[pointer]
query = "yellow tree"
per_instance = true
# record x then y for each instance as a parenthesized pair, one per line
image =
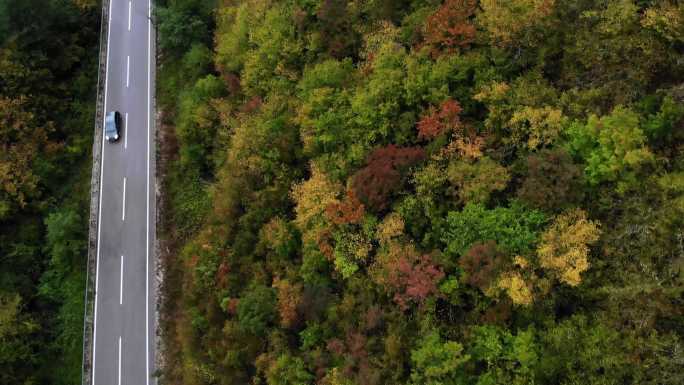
(564, 246)
(506, 20)
(312, 198)
(516, 287)
(667, 19)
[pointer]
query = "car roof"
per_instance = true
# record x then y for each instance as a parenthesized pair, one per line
(110, 123)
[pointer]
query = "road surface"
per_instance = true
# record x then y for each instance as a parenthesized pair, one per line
(124, 296)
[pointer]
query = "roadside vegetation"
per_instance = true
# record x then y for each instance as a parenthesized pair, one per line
(48, 71)
(423, 191)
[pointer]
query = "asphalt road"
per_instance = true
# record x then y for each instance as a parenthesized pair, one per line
(123, 351)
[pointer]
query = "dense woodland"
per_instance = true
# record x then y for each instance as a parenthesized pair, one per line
(48, 71)
(423, 191)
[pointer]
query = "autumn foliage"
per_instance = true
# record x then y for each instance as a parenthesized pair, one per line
(565, 246)
(552, 180)
(375, 183)
(401, 192)
(335, 28)
(20, 142)
(410, 275)
(438, 121)
(450, 29)
(414, 279)
(505, 20)
(481, 264)
(312, 197)
(289, 300)
(350, 210)
(353, 348)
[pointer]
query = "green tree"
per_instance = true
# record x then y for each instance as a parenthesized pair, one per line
(232, 37)
(507, 358)
(436, 361)
(377, 102)
(288, 370)
(20, 140)
(613, 147)
(197, 121)
(578, 350)
(65, 239)
(515, 229)
(661, 126)
(273, 64)
(178, 28)
(257, 309)
(17, 353)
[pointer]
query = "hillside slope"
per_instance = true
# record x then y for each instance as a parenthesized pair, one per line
(423, 192)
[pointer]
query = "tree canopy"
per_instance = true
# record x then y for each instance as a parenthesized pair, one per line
(423, 191)
(48, 71)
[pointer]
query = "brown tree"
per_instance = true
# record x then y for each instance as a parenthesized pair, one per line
(335, 27)
(350, 210)
(482, 264)
(357, 366)
(375, 183)
(552, 180)
(289, 300)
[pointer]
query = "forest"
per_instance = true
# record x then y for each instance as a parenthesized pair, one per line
(48, 74)
(365, 192)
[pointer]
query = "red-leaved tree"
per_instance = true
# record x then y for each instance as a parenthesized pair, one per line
(350, 210)
(450, 29)
(414, 279)
(375, 183)
(411, 276)
(441, 120)
(356, 365)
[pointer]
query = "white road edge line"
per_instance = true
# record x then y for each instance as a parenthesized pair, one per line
(147, 200)
(129, 16)
(126, 132)
(121, 283)
(128, 69)
(119, 360)
(99, 204)
(123, 209)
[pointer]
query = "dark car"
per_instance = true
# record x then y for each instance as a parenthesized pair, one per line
(112, 126)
